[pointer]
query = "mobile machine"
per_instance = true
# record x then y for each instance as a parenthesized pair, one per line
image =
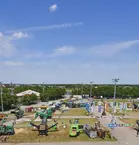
(75, 128)
(5, 128)
(43, 127)
(18, 113)
(44, 115)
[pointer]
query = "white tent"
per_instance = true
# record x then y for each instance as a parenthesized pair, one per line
(28, 92)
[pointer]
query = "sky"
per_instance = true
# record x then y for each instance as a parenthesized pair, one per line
(69, 41)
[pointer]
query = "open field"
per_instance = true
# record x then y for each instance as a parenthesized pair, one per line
(132, 113)
(27, 135)
(128, 113)
(130, 120)
(118, 113)
(116, 100)
(74, 112)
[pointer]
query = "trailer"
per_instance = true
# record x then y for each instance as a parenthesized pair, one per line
(90, 131)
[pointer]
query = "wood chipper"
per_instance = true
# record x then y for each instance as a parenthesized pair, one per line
(19, 113)
(6, 128)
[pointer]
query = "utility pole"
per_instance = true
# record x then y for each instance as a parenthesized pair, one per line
(77, 88)
(90, 95)
(82, 89)
(1, 90)
(115, 80)
(113, 121)
(12, 89)
(43, 88)
(91, 89)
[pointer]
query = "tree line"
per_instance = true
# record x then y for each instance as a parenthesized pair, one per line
(46, 94)
(108, 91)
(55, 92)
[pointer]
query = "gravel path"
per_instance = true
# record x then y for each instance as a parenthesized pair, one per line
(125, 135)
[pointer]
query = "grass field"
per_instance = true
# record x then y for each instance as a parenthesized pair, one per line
(130, 120)
(118, 113)
(111, 100)
(128, 113)
(133, 113)
(27, 135)
(75, 112)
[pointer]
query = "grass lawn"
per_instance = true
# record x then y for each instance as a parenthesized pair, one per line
(132, 113)
(75, 112)
(128, 113)
(118, 100)
(130, 120)
(118, 113)
(27, 135)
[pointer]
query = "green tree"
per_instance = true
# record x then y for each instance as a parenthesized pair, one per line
(52, 94)
(8, 100)
(29, 99)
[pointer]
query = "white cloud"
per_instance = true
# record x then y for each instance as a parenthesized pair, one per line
(53, 8)
(65, 50)
(51, 27)
(35, 55)
(1, 34)
(112, 49)
(20, 35)
(7, 48)
(13, 63)
(61, 51)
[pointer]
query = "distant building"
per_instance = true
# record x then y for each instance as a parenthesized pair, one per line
(77, 96)
(28, 92)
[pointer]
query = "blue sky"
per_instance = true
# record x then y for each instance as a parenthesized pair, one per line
(69, 41)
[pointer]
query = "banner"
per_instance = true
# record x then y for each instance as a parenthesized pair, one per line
(92, 109)
(117, 105)
(121, 107)
(99, 108)
(107, 106)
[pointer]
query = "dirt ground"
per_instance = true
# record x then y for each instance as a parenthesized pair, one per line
(27, 135)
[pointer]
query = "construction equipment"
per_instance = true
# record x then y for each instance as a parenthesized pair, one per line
(90, 131)
(43, 128)
(5, 128)
(3, 118)
(18, 113)
(75, 128)
(44, 113)
(100, 132)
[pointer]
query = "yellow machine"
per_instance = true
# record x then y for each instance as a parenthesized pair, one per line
(43, 107)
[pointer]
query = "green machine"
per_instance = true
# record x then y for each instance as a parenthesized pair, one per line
(5, 128)
(19, 113)
(44, 113)
(75, 128)
(43, 127)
